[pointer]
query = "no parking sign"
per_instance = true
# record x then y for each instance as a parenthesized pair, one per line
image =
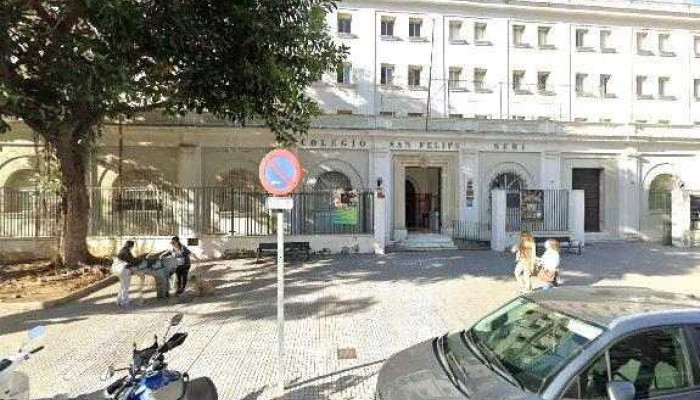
(280, 172)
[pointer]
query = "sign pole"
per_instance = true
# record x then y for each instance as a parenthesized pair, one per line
(280, 302)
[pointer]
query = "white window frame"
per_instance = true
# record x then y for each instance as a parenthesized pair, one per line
(546, 89)
(343, 20)
(642, 39)
(519, 38)
(580, 81)
(580, 39)
(696, 89)
(414, 22)
(344, 74)
(518, 76)
(387, 26)
(665, 44)
(481, 32)
(412, 81)
(604, 85)
(456, 29)
(605, 41)
(640, 83)
(455, 81)
(664, 83)
(543, 35)
(480, 79)
(386, 76)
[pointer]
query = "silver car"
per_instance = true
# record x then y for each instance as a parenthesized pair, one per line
(617, 343)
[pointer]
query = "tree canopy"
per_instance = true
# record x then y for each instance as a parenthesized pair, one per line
(66, 65)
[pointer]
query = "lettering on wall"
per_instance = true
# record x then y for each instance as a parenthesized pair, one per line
(427, 145)
(509, 146)
(329, 143)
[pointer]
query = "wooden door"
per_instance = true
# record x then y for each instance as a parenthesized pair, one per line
(588, 180)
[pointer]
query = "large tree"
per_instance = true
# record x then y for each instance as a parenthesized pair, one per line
(67, 65)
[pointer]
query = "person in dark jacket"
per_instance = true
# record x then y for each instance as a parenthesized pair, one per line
(182, 254)
(122, 265)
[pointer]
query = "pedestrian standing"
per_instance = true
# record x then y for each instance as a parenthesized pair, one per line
(121, 267)
(525, 259)
(182, 256)
(549, 264)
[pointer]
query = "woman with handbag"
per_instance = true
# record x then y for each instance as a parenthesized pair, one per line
(548, 264)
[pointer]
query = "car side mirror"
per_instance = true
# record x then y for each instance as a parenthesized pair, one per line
(621, 390)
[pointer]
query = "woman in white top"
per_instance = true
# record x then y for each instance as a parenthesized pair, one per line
(549, 264)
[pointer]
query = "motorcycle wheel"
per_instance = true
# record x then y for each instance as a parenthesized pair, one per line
(201, 389)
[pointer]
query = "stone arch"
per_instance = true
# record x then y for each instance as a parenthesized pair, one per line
(14, 165)
(661, 169)
(499, 169)
(658, 184)
(338, 166)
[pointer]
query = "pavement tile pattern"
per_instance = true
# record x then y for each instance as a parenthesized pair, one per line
(376, 305)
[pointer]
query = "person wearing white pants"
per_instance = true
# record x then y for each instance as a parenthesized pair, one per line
(121, 267)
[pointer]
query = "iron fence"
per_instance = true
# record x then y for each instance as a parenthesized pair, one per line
(541, 210)
(139, 211)
(473, 231)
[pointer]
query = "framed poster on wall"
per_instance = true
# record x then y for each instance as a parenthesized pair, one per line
(532, 205)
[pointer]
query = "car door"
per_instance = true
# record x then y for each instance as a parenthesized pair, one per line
(659, 362)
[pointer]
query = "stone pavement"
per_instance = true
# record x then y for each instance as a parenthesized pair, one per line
(376, 305)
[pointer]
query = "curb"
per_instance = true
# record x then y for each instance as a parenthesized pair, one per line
(46, 304)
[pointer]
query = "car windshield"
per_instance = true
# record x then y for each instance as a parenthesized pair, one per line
(4, 363)
(530, 342)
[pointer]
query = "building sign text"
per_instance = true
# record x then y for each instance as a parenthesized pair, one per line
(413, 145)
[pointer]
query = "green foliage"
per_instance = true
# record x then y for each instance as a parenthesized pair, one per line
(65, 65)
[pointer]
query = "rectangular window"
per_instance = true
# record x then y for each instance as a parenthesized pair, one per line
(456, 31)
(518, 77)
(665, 47)
(387, 74)
(343, 74)
(695, 221)
(642, 39)
(543, 36)
(605, 40)
(543, 82)
(696, 46)
(345, 24)
(519, 35)
(664, 86)
(414, 25)
(696, 88)
(480, 32)
(479, 78)
(455, 79)
(414, 76)
(581, 83)
(641, 81)
(581, 38)
(605, 85)
(387, 26)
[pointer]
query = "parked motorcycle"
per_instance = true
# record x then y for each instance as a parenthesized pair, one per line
(150, 379)
(14, 385)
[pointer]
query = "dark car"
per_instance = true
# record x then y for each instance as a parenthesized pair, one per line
(620, 343)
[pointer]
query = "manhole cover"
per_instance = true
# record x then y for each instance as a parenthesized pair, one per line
(347, 354)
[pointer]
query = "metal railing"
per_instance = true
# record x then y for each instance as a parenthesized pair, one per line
(30, 212)
(546, 210)
(473, 231)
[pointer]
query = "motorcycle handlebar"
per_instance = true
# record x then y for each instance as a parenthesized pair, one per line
(38, 349)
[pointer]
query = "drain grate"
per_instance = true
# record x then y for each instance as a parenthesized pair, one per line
(347, 354)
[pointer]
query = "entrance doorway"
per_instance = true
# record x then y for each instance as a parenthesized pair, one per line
(588, 180)
(423, 200)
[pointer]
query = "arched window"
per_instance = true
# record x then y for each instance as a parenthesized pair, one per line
(332, 180)
(512, 183)
(19, 193)
(240, 192)
(137, 190)
(660, 193)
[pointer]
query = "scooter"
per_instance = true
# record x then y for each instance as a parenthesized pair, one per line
(149, 379)
(14, 385)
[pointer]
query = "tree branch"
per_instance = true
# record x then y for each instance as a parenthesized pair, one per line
(41, 11)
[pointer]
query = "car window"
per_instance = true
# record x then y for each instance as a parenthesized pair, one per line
(656, 362)
(591, 384)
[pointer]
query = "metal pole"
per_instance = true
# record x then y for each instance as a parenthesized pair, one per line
(280, 303)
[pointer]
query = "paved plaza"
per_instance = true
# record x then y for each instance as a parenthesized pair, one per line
(376, 305)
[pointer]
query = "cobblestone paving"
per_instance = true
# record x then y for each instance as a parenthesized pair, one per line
(376, 305)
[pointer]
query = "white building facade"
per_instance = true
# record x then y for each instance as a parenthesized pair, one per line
(442, 101)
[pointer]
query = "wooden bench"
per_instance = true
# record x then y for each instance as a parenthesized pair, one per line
(289, 247)
(565, 241)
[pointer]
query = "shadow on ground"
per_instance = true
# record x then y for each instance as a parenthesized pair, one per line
(247, 290)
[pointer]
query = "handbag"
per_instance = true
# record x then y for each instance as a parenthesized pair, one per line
(546, 275)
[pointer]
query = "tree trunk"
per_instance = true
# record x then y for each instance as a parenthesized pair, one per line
(75, 208)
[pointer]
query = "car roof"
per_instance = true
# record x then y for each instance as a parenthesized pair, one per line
(605, 305)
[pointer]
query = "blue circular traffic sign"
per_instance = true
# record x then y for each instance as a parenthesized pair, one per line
(280, 172)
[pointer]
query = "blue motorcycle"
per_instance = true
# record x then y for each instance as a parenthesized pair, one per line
(150, 379)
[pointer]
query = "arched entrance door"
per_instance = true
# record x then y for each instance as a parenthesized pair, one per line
(659, 206)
